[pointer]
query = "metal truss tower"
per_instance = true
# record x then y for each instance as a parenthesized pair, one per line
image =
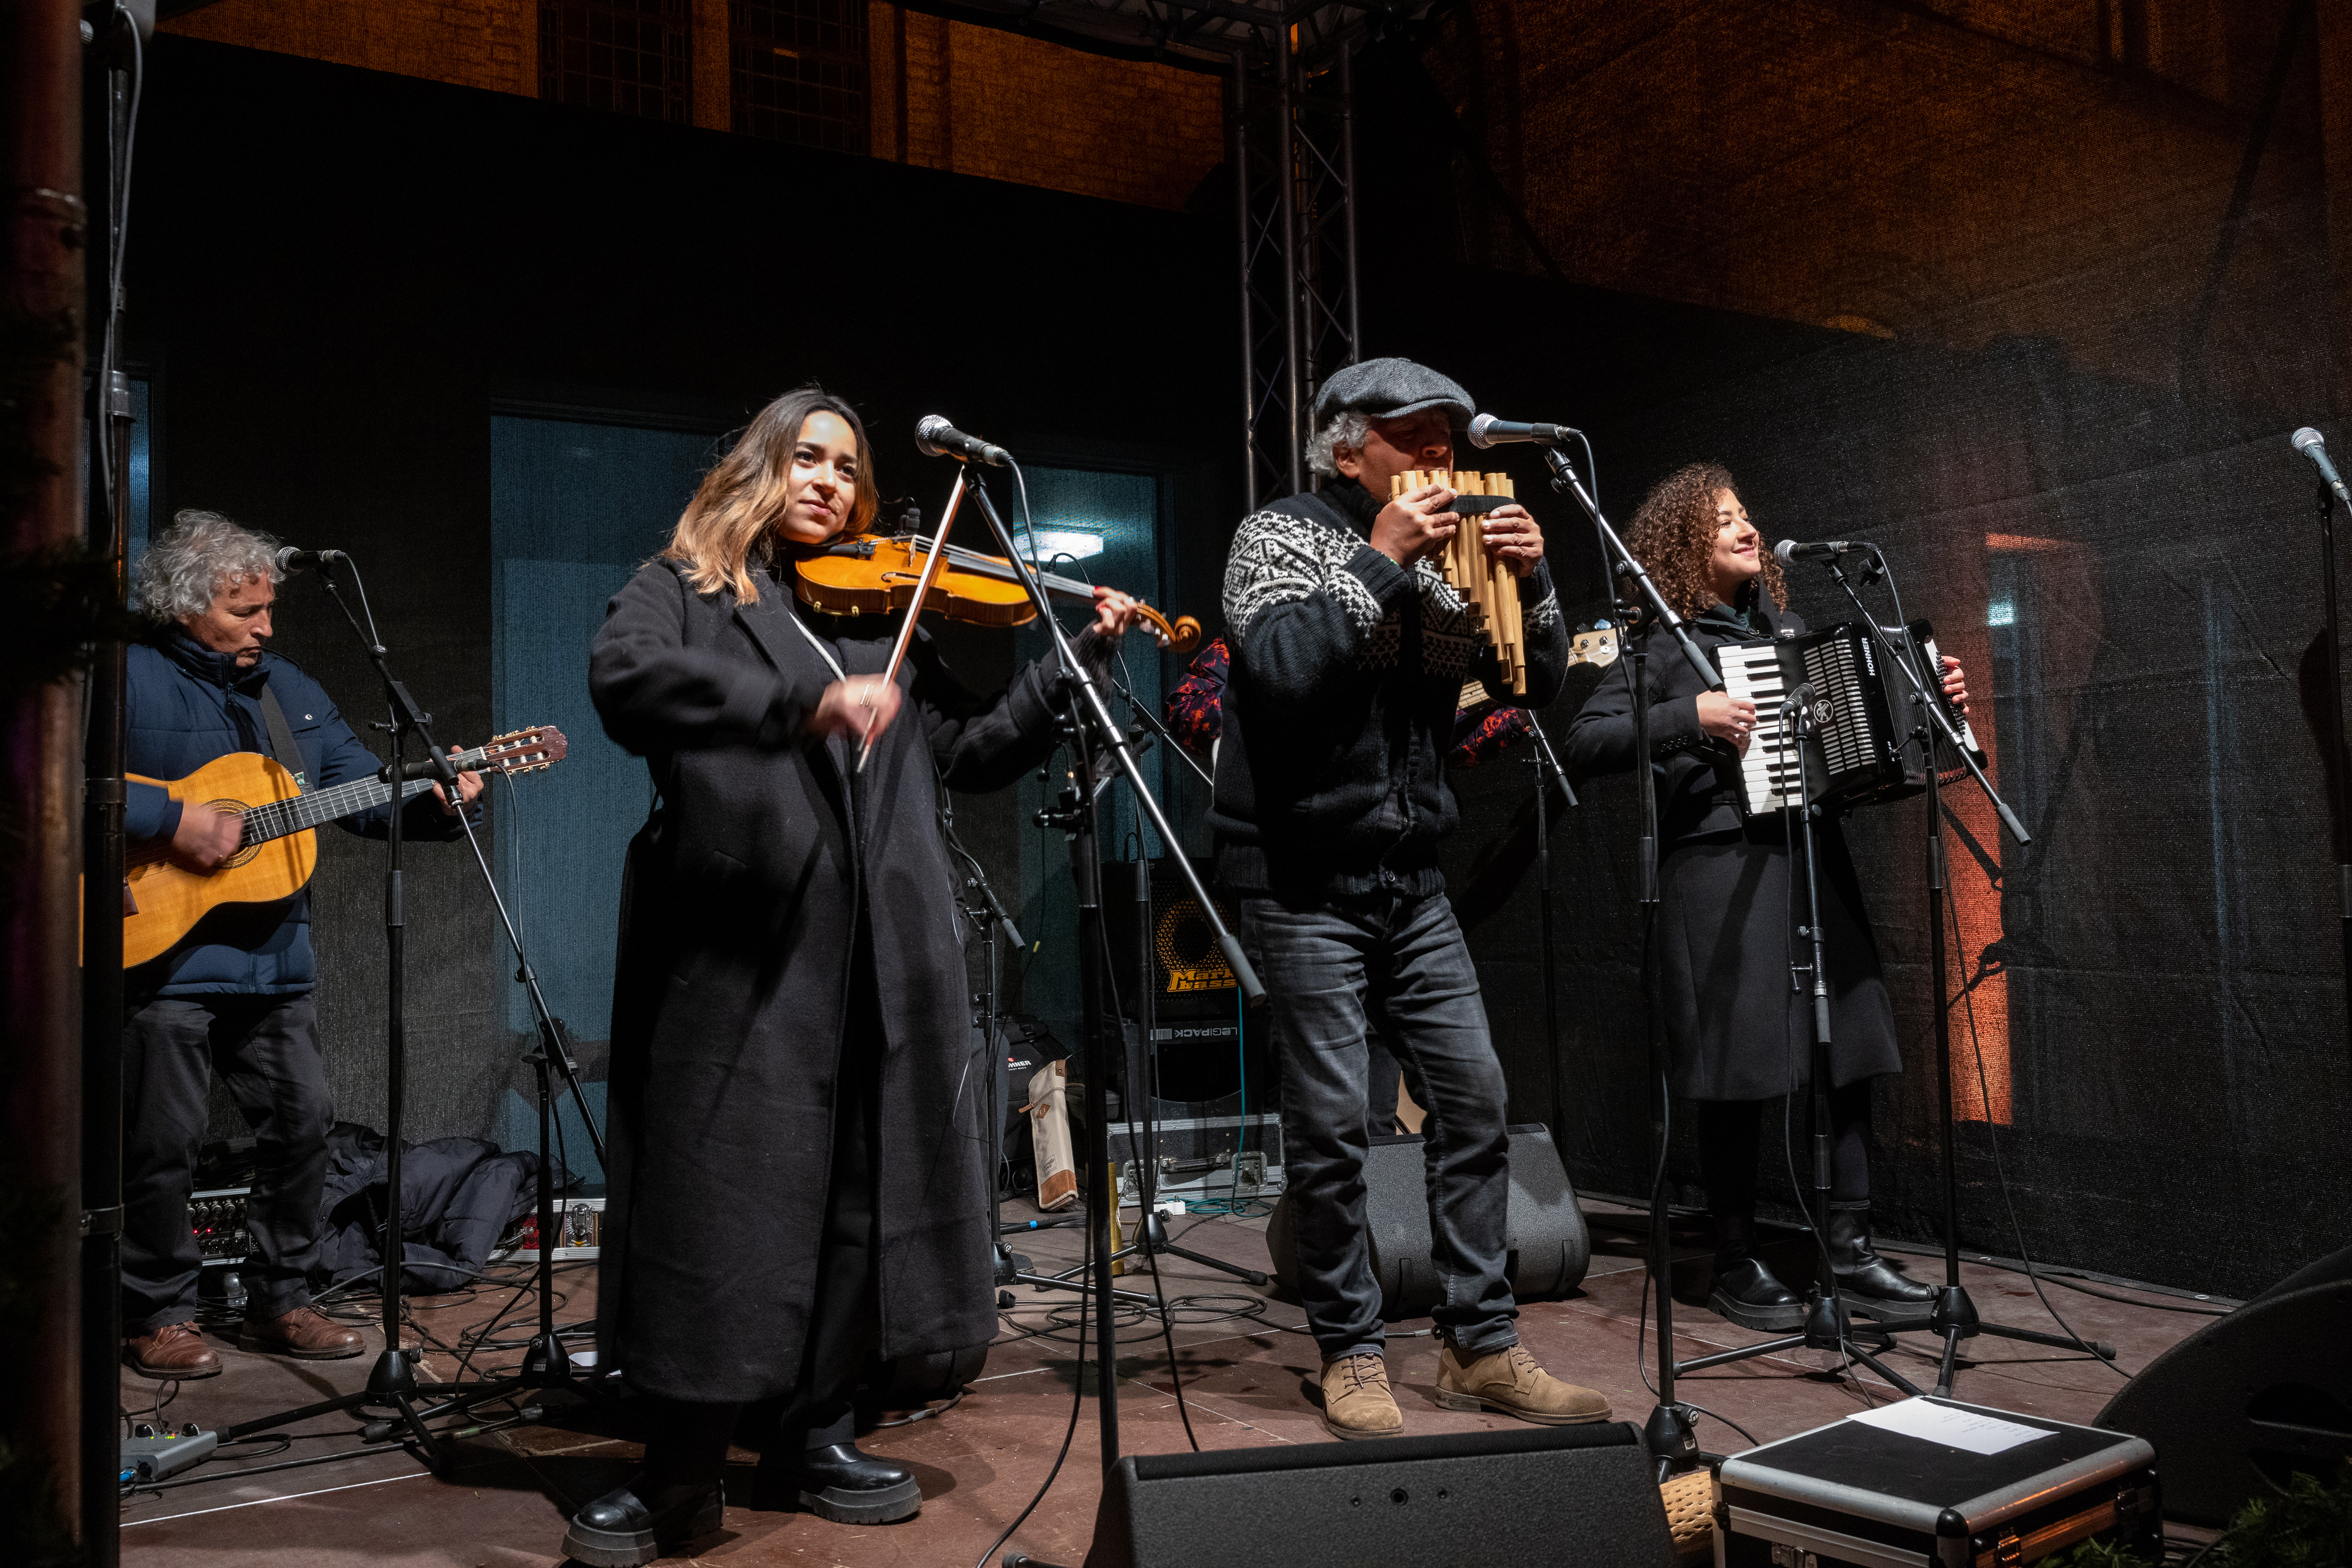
(1291, 116)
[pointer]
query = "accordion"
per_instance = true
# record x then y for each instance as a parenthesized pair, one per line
(1865, 748)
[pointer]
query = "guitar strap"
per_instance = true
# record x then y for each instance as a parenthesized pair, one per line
(281, 738)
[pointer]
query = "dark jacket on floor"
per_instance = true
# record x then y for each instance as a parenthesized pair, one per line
(1338, 709)
(741, 908)
(1735, 1029)
(458, 1195)
(187, 706)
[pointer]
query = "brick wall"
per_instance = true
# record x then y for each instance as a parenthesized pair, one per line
(946, 95)
(491, 43)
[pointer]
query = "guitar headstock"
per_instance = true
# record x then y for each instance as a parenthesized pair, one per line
(518, 751)
(1596, 645)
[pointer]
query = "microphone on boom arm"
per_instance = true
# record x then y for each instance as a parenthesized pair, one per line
(1788, 550)
(290, 559)
(2311, 444)
(935, 438)
(1487, 430)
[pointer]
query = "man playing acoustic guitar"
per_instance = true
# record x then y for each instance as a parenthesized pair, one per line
(236, 996)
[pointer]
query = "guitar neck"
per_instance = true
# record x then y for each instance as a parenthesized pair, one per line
(280, 817)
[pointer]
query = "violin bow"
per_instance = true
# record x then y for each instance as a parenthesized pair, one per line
(914, 606)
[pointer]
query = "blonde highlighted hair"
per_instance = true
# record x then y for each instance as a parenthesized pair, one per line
(721, 535)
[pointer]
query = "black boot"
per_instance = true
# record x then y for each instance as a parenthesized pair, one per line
(643, 1522)
(1865, 1279)
(1745, 1290)
(847, 1486)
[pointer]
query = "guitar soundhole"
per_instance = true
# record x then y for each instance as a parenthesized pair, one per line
(245, 852)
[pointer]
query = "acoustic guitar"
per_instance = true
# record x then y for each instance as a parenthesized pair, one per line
(163, 902)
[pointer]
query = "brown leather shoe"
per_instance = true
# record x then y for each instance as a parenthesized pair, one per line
(173, 1351)
(1356, 1399)
(1510, 1381)
(305, 1334)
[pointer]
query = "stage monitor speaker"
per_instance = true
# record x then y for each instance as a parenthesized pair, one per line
(1580, 1495)
(1549, 1248)
(2245, 1402)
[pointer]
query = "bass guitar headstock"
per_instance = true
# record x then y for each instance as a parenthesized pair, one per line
(1595, 646)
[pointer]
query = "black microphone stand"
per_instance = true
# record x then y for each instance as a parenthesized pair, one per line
(393, 1383)
(1151, 1229)
(1670, 1430)
(1954, 1317)
(1826, 1327)
(1546, 763)
(991, 918)
(1075, 814)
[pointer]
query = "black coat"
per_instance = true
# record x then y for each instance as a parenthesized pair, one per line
(741, 909)
(1735, 1029)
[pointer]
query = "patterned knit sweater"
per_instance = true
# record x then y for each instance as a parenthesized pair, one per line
(1347, 669)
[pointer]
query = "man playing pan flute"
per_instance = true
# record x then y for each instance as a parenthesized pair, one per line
(1349, 651)
(235, 998)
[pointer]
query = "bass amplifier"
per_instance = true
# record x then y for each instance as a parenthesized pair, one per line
(1188, 977)
(1934, 1483)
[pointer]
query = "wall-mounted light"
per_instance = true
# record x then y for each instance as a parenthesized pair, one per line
(1051, 544)
(2001, 613)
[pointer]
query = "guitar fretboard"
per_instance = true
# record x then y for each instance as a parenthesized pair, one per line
(280, 817)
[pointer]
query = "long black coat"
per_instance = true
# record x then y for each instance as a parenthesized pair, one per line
(737, 928)
(1735, 1029)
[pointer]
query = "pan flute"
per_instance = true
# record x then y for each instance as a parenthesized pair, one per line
(1486, 584)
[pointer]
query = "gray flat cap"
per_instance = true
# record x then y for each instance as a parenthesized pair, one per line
(1389, 388)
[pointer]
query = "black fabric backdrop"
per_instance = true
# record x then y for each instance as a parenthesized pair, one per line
(2034, 310)
(2102, 518)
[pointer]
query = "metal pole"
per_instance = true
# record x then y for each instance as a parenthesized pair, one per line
(1285, 66)
(1103, 1048)
(1239, 108)
(1348, 196)
(2343, 801)
(41, 773)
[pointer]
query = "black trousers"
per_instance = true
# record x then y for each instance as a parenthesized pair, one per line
(265, 1050)
(1731, 1146)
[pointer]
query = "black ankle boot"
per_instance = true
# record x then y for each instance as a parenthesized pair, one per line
(1865, 1279)
(847, 1486)
(1745, 1290)
(641, 1522)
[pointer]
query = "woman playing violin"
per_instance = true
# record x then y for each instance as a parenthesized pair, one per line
(795, 1176)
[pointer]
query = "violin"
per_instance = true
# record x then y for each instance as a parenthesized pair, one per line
(871, 576)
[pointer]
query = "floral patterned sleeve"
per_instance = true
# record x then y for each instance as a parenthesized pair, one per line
(1195, 708)
(1481, 734)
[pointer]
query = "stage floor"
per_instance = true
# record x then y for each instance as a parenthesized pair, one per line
(502, 1504)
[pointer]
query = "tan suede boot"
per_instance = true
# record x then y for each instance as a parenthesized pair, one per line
(1510, 1381)
(1356, 1399)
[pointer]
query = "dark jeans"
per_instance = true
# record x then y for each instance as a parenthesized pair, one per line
(266, 1049)
(1404, 959)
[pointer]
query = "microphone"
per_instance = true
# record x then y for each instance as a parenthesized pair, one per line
(2309, 442)
(290, 559)
(1788, 550)
(935, 438)
(1807, 701)
(1487, 431)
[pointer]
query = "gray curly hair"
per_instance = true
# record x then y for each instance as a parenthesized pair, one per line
(1347, 429)
(201, 554)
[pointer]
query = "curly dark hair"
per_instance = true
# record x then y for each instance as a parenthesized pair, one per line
(1673, 535)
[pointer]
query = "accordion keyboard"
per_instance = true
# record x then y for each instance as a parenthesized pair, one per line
(1756, 672)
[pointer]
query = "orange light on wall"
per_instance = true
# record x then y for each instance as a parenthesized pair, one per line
(1978, 984)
